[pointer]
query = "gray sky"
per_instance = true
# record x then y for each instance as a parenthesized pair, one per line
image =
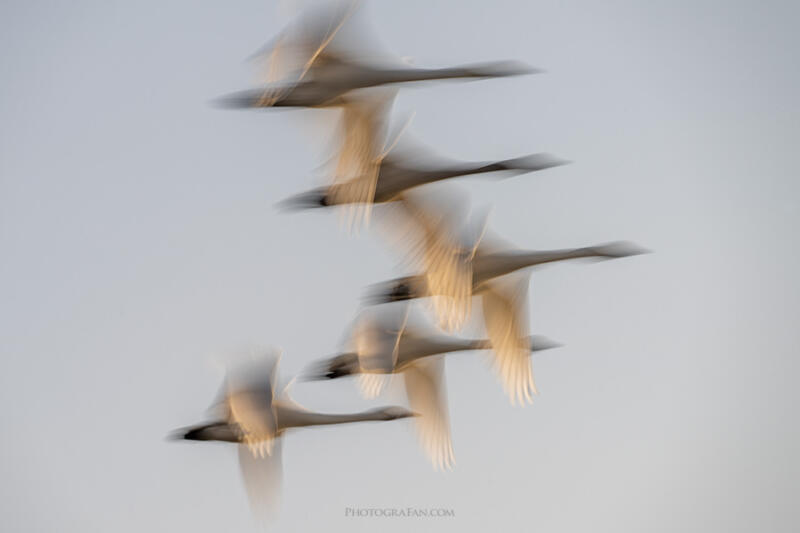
(139, 246)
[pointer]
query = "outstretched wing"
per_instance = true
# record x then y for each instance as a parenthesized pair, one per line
(362, 131)
(505, 312)
(305, 44)
(372, 385)
(425, 388)
(430, 239)
(249, 399)
(262, 477)
(375, 347)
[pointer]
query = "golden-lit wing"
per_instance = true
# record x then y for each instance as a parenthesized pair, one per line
(427, 397)
(301, 46)
(262, 477)
(432, 246)
(249, 399)
(371, 385)
(355, 177)
(505, 314)
(375, 348)
(252, 412)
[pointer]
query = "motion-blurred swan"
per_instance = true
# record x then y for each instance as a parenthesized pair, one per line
(395, 175)
(309, 66)
(368, 170)
(498, 274)
(382, 346)
(250, 413)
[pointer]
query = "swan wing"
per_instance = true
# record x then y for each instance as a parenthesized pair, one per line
(425, 387)
(505, 304)
(304, 44)
(429, 239)
(253, 414)
(372, 385)
(374, 344)
(262, 477)
(375, 347)
(362, 129)
(249, 399)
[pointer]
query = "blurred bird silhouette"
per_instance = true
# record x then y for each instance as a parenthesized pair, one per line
(311, 65)
(323, 60)
(452, 273)
(396, 173)
(362, 133)
(383, 345)
(249, 412)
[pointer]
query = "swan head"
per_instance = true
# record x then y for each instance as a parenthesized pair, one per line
(306, 200)
(192, 434)
(219, 431)
(335, 367)
(393, 291)
(266, 97)
(540, 342)
(614, 250)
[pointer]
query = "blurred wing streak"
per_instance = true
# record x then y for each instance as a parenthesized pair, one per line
(505, 315)
(355, 178)
(250, 405)
(427, 396)
(375, 347)
(432, 246)
(331, 33)
(371, 384)
(262, 477)
(294, 52)
(252, 412)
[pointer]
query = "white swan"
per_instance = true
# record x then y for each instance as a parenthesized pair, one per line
(383, 347)
(397, 174)
(452, 275)
(252, 414)
(308, 65)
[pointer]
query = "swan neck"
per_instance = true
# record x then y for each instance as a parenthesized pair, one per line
(297, 418)
(552, 256)
(480, 344)
(421, 74)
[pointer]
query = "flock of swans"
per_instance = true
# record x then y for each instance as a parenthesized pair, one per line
(456, 261)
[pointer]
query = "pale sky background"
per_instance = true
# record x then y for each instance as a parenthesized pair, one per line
(139, 245)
